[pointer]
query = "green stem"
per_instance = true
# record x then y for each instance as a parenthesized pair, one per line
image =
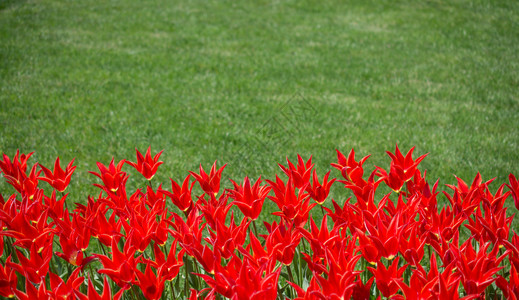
(198, 271)
(186, 283)
(255, 229)
(172, 289)
(290, 276)
(134, 295)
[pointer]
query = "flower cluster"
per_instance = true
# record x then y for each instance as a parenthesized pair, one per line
(199, 241)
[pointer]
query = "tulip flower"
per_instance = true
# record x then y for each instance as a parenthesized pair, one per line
(320, 238)
(282, 241)
(477, 269)
(112, 176)
(402, 169)
(214, 209)
(121, 267)
(514, 188)
(14, 171)
(300, 175)
(31, 292)
(294, 207)
(249, 199)
(169, 267)
(226, 239)
(107, 293)
(210, 183)
(59, 179)
(146, 165)
(384, 277)
(8, 280)
(60, 289)
(37, 266)
(317, 191)
(510, 288)
(350, 169)
(181, 196)
(151, 285)
(29, 186)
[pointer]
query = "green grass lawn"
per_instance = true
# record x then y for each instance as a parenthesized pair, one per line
(250, 82)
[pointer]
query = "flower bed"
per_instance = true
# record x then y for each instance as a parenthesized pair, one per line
(160, 242)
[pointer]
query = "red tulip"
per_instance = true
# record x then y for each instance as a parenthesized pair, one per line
(107, 293)
(8, 280)
(510, 288)
(112, 176)
(294, 207)
(105, 230)
(214, 209)
(249, 199)
(282, 241)
(319, 192)
(181, 196)
(37, 266)
(514, 188)
(226, 239)
(477, 268)
(402, 169)
(31, 292)
(59, 179)
(121, 267)
(300, 175)
(151, 285)
(321, 238)
(169, 267)
(210, 183)
(350, 169)
(146, 165)
(14, 171)
(385, 277)
(60, 289)
(259, 255)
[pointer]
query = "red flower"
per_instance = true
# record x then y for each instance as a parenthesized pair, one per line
(121, 267)
(31, 292)
(209, 183)
(259, 255)
(319, 192)
(320, 239)
(167, 268)
(107, 293)
(181, 196)
(385, 277)
(294, 207)
(146, 165)
(59, 179)
(301, 174)
(249, 199)
(37, 266)
(65, 290)
(401, 170)
(514, 188)
(510, 288)
(8, 280)
(350, 169)
(14, 171)
(113, 178)
(256, 284)
(151, 285)
(282, 241)
(477, 269)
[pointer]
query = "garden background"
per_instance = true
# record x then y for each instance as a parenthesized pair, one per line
(250, 82)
